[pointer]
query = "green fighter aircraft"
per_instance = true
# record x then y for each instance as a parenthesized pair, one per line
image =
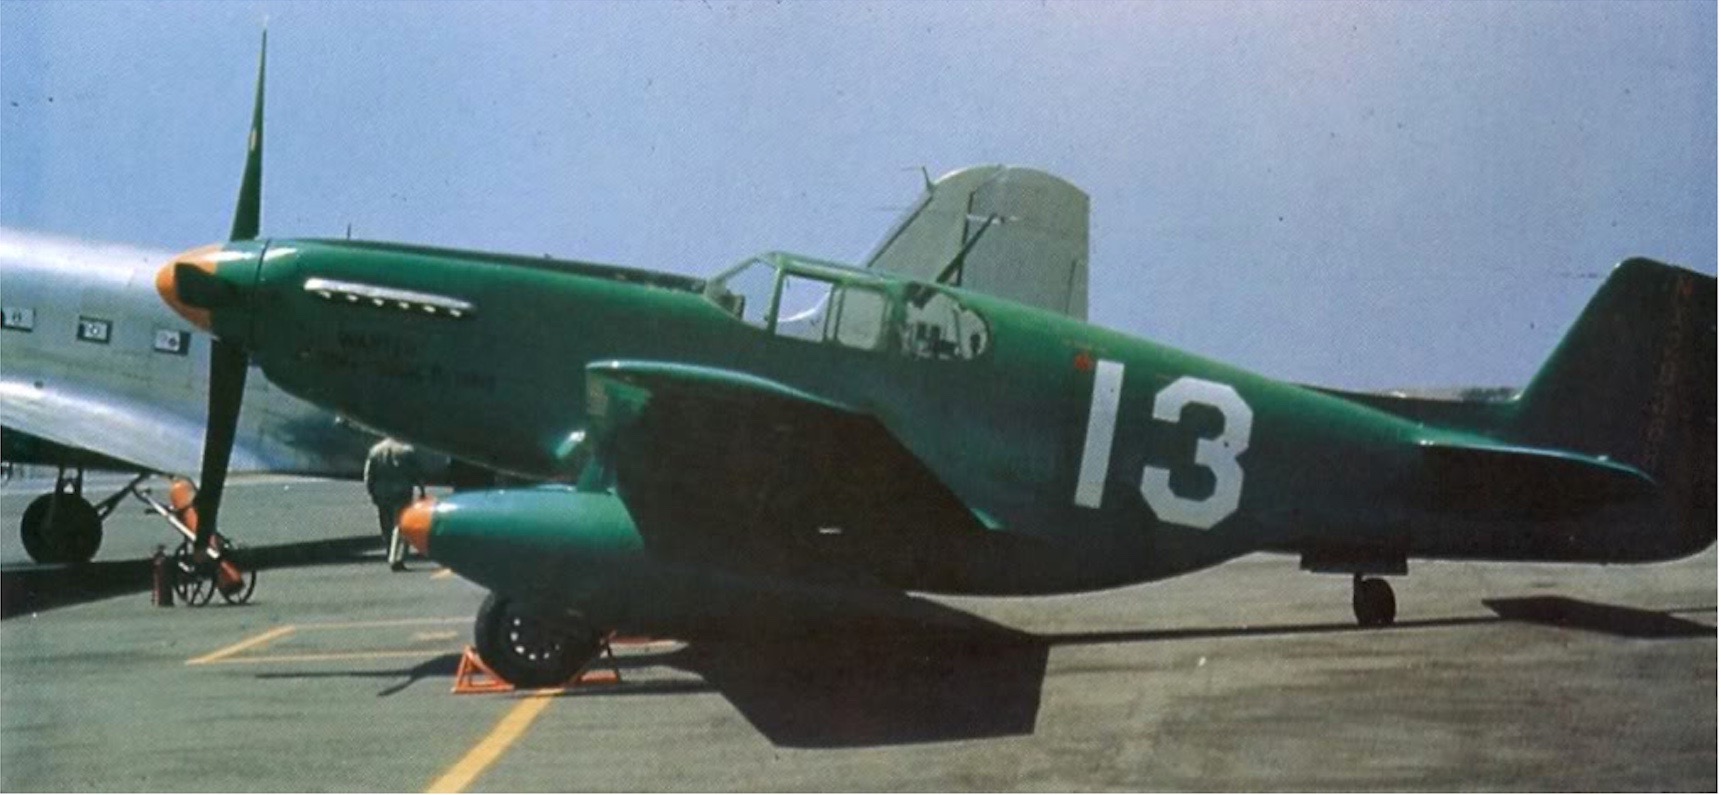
(797, 427)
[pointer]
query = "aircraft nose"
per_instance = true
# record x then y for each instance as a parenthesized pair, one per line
(191, 283)
(167, 283)
(415, 524)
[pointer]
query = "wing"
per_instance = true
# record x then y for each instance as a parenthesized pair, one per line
(139, 435)
(720, 467)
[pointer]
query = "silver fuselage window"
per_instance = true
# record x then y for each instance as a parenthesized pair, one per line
(172, 341)
(20, 318)
(95, 329)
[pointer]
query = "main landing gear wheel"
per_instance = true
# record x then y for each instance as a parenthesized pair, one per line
(61, 527)
(1372, 599)
(528, 651)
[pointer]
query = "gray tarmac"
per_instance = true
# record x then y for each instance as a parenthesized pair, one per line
(1249, 676)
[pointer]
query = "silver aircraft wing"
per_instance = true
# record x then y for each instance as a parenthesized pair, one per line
(91, 359)
(130, 430)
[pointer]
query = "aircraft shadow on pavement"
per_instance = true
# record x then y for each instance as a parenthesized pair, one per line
(937, 674)
(1625, 622)
(859, 690)
(1558, 611)
(876, 685)
(447, 666)
(923, 672)
(919, 673)
(438, 667)
(33, 589)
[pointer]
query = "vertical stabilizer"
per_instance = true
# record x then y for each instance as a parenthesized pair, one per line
(1634, 380)
(1035, 253)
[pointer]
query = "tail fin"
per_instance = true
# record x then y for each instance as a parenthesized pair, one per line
(1634, 380)
(1036, 254)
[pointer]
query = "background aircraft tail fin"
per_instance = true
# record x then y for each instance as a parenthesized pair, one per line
(1035, 254)
(1634, 380)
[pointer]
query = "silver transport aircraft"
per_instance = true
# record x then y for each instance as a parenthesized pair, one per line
(95, 372)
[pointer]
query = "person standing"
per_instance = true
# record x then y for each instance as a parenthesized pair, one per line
(392, 477)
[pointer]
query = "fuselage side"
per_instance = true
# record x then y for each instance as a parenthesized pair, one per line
(1181, 463)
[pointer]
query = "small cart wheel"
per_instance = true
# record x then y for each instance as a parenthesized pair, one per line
(241, 593)
(193, 582)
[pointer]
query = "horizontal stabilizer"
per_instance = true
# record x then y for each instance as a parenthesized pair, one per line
(1502, 481)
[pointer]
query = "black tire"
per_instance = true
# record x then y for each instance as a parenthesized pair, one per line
(1373, 602)
(193, 582)
(527, 651)
(61, 528)
(241, 594)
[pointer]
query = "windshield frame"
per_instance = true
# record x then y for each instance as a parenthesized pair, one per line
(717, 287)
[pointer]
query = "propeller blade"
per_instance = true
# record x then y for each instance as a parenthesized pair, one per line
(248, 213)
(228, 364)
(228, 361)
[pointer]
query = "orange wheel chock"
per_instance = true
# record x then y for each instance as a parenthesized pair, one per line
(473, 676)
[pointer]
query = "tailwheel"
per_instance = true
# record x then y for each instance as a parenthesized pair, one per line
(1373, 602)
(61, 527)
(529, 651)
(193, 580)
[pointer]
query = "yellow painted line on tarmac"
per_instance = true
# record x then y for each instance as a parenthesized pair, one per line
(398, 622)
(337, 656)
(256, 640)
(494, 744)
(442, 574)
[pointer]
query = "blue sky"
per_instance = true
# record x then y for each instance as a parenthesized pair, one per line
(1363, 195)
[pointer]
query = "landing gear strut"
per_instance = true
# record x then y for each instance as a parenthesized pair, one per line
(63, 527)
(1372, 599)
(528, 650)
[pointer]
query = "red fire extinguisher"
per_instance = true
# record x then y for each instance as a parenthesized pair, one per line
(161, 579)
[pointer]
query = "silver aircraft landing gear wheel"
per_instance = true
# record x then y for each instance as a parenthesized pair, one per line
(1372, 599)
(61, 527)
(528, 651)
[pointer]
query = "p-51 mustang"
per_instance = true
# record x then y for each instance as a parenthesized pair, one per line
(797, 426)
(98, 373)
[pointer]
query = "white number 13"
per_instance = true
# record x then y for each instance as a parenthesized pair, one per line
(1218, 455)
